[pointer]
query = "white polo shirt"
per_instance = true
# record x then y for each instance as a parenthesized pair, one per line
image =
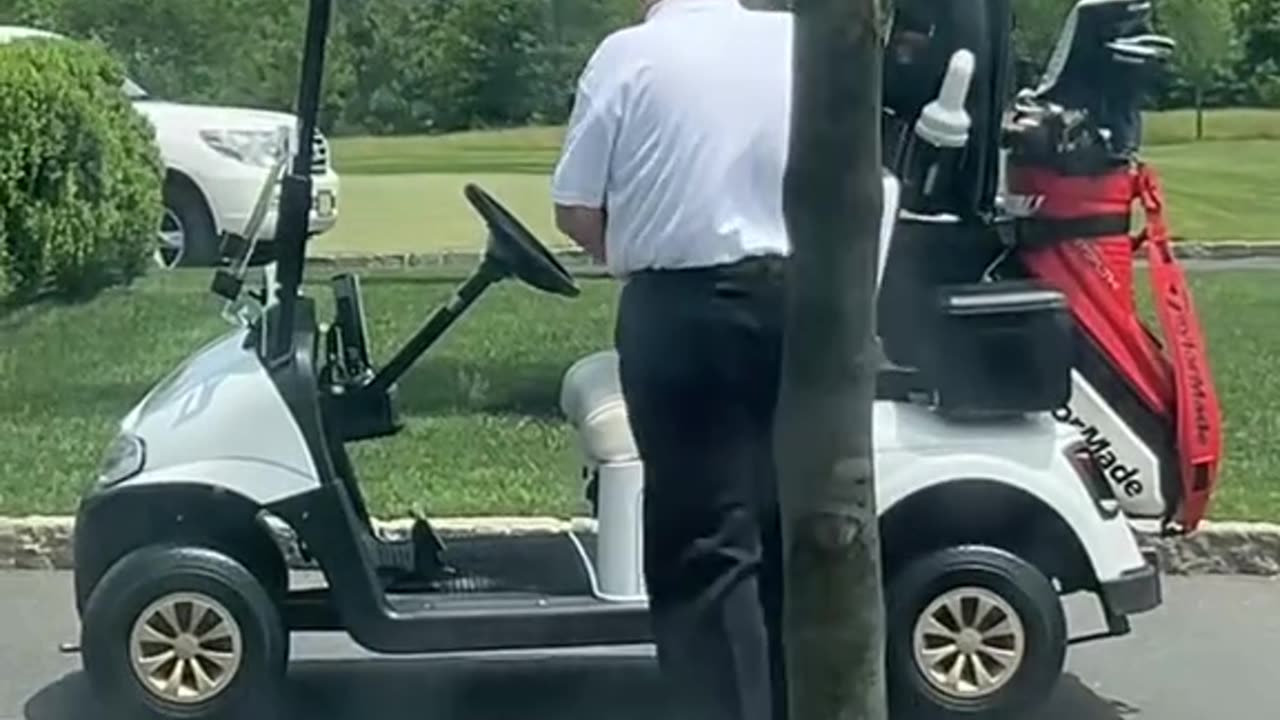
(679, 132)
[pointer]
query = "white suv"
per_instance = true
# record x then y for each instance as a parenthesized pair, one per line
(217, 159)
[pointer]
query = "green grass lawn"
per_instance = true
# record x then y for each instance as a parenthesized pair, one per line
(1179, 126)
(484, 433)
(404, 194)
(522, 150)
(426, 213)
(534, 150)
(1221, 190)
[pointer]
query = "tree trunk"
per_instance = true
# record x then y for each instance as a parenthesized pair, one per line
(1199, 112)
(834, 624)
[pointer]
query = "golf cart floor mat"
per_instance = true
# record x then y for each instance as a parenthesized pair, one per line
(543, 564)
(424, 563)
(494, 574)
(1078, 242)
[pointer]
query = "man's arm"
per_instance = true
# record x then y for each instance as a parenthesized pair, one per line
(585, 226)
(580, 182)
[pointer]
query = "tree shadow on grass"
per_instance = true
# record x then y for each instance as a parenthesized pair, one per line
(17, 308)
(444, 276)
(438, 386)
(446, 385)
(17, 313)
(79, 399)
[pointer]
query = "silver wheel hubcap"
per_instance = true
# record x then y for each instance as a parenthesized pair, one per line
(172, 240)
(186, 648)
(969, 643)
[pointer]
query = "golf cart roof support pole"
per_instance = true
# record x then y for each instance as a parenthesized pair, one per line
(295, 201)
(440, 322)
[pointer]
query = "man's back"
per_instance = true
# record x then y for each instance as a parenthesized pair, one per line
(700, 94)
(674, 160)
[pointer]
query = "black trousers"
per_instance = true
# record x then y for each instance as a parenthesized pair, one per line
(700, 353)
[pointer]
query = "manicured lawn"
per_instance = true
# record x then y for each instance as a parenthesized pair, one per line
(1221, 190)
(523, 150)
(1179, 126)
(484, 433)
(404, 194)
(426, 213)
(533, 150)
(1216, 191)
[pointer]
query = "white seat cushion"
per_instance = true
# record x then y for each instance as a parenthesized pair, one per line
(591, 399)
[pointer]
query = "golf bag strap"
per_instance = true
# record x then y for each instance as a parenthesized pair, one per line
(1039, 231)
(1070, 208)
(1198, 419)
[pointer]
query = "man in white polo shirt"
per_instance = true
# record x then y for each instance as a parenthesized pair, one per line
(672, 174)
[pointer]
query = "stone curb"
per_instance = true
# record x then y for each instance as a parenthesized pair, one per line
(1184, 249)
(1229, 548)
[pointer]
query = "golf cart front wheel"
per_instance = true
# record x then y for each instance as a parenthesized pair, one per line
(184, 632)
(974, 633)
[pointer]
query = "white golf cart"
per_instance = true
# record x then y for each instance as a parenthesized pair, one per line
(992, 508)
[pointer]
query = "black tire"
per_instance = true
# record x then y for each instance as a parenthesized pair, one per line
(254, 690)
(202, 246)
(1020, 585)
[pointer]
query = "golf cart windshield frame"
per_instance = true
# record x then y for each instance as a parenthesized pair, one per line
(295, 200)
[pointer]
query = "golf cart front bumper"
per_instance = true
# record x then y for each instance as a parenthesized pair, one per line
(1136, 591)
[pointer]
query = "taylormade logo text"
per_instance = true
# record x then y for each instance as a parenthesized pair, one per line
(1099, 447)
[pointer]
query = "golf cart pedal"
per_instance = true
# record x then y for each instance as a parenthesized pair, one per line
(393, 555)
(418, 554)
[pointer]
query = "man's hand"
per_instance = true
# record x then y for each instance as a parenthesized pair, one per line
(585, 226)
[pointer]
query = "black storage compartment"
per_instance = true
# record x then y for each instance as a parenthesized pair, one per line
(927, 253)
(1000, 348)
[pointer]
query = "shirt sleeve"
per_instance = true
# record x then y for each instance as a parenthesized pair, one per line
(582, 174)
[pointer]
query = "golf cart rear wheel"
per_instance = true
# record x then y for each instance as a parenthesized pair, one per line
(973, 632)
(184, 632)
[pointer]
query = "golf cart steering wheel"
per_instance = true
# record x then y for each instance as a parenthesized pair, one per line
(517, 251)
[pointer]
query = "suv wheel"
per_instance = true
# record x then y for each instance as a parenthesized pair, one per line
(187, 237)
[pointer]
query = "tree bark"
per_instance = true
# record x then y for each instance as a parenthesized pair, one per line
(834, 617)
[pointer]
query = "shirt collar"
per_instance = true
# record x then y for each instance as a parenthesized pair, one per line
(675, 6)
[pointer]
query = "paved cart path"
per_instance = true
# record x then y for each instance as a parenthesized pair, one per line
(1211, 651)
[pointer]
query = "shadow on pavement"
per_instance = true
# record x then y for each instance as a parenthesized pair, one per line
(544, 689)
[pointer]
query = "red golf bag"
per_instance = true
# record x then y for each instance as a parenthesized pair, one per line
(1078, 241)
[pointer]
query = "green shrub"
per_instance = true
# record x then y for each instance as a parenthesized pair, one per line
(1267, 84)
(80, 174)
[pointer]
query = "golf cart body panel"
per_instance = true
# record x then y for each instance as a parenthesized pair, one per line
(220, 420)
(1131, 468)
(1050, 478)
(917, 450)
(991, 445)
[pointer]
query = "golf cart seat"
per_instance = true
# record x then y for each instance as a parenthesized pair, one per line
(591, 399)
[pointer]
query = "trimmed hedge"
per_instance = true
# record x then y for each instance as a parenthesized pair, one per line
(80, 173)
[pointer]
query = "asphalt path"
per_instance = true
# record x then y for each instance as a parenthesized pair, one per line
(1212, 651)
